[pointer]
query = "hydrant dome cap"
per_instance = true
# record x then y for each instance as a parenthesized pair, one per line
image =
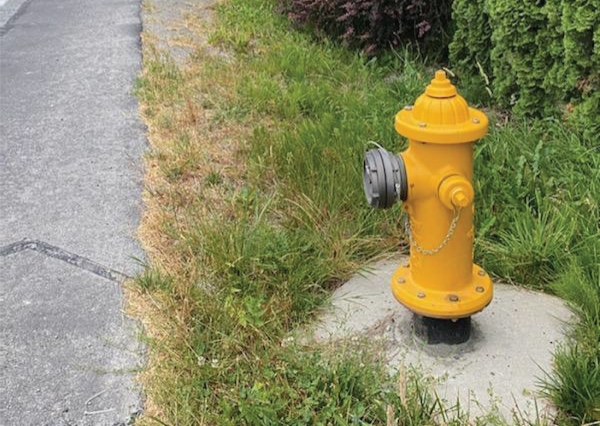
(440, 86)
(441, 115)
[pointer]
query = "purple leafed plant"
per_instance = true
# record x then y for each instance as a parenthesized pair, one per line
(372, 25)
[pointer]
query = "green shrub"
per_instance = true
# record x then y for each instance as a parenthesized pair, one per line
(471, 43)
(542, 57)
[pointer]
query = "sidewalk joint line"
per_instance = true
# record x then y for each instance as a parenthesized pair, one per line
(60, 254)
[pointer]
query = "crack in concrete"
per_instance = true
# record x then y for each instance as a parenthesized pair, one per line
(9, 12)
(60, 254)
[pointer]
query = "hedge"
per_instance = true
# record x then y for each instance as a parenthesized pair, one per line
(542, 57)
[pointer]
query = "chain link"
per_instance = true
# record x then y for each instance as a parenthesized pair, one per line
(444, 242)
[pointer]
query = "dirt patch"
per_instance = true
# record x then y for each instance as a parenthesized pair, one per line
(177, 27)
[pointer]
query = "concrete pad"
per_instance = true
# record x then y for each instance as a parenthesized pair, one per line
(511, 345)
(68, 355)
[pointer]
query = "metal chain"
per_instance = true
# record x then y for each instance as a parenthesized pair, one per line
(445, 241)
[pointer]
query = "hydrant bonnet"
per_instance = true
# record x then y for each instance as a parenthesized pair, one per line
(441, 115)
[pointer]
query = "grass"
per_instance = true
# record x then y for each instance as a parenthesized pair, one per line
(255, 212)
(539, 225)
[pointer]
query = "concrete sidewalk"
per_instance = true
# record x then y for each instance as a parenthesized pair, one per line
(71, 146)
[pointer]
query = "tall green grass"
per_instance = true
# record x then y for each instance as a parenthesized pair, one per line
(300, 226)
(538, 221)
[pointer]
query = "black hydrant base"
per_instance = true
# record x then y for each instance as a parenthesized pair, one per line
(434, 330)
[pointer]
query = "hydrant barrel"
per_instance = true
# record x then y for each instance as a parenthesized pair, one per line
(440, 279)
(430, 222)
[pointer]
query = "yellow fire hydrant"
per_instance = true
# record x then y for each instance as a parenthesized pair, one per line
(434, 179)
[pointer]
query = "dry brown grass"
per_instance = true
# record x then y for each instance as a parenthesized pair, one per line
(147, 310)
(212, 147)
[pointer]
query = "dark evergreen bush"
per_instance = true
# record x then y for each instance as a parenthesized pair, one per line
(542, 56)
(372, 25)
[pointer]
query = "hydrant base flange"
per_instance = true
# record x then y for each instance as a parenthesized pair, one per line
(462, 301)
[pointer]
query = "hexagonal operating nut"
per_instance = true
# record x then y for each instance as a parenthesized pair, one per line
(456, 192)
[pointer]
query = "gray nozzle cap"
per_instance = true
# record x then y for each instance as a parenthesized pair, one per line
(384, 178)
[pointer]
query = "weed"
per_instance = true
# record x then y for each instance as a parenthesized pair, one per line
(214, 178)
(153, 279)
(575, 384)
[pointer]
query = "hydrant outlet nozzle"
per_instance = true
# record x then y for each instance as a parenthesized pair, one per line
(456, 192)
(384, 178)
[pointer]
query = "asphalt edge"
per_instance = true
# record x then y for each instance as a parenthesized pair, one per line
(141, 207)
